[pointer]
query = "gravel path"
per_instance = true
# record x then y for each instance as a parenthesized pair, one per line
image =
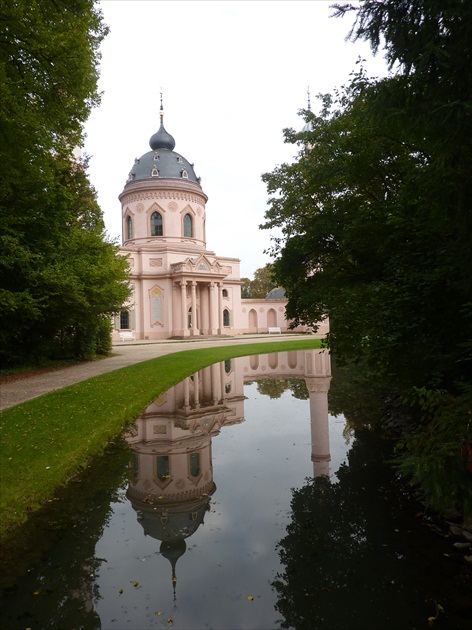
(17, 391)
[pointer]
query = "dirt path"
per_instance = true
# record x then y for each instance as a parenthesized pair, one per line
(13, 392)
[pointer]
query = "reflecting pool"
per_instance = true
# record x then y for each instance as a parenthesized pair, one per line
(235, 501)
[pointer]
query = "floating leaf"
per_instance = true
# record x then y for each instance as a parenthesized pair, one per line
(250, 598)
(135, 584)
(121, 591)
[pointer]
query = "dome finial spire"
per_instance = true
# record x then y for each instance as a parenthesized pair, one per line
(309, 102)
(161, 139)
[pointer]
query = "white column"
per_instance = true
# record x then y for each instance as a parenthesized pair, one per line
(220, 308)
(193, 288)
(213, 321)
(183, 308)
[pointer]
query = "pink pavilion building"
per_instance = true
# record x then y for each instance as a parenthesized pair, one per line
(179, 287)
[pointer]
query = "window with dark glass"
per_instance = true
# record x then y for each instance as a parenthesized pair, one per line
(156, 224)
(194, 464)
(124, 320)
(129, 227)
(188, 227)
(226, 317)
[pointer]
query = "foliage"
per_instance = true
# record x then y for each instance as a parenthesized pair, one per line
(376, 222)
(47, 439)
(275, 387)
(436, 453)
(344, 538)
(59, 273)
(261, 284)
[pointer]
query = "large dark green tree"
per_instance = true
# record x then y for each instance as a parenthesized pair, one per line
(376, 220)
(60, 278)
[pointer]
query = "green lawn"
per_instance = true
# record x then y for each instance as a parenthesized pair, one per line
(47, 440)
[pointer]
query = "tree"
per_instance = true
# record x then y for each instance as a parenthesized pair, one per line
(59, 275)
(262, 283)
(376, 222)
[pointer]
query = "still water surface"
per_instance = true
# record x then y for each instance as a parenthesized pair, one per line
(236, 501)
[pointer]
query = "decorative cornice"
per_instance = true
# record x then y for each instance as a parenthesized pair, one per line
(163, 189)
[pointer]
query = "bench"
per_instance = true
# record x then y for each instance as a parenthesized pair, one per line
(127, 336)
(274, 330)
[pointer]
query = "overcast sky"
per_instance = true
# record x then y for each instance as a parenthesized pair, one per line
(233, 75)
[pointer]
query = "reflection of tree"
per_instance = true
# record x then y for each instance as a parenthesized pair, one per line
(60, 591)
(340, 571)
(272, 387)
(355, 394)
(298, 388)
(275, 387)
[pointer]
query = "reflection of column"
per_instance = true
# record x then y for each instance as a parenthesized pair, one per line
(216, 382)
(183, 309)
(318, 386)
(213, 325)
(196, 389)
(187, 393)
(193, 288)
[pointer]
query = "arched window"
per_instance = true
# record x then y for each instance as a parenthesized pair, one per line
(225, 292)
(188, 227)
(124, 320)
(129, 228)
(226, 317)
(156, 224)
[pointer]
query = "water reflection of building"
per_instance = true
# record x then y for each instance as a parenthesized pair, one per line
(172, 479)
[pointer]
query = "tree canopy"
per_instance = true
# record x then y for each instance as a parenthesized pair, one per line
(261, 284)
(376, 216)
(60, 277)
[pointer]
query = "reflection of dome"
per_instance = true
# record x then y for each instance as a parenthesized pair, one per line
(170, 525)
(277, 293)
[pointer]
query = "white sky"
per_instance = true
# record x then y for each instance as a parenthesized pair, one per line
(234, 74)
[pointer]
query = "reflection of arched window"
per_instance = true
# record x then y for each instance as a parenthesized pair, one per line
(163, 468)
(228, 366)
(190, 317)
(129, 228)
(124, 320)
(227, 388)
(188, 228)
(156, 224)
(194, 464)
(226, 317)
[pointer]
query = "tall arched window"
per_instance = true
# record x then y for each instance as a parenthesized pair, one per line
(156, 224)
(129, 228)
(226, 317)
(188, 227)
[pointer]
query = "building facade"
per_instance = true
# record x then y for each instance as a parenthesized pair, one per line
(179, 287)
